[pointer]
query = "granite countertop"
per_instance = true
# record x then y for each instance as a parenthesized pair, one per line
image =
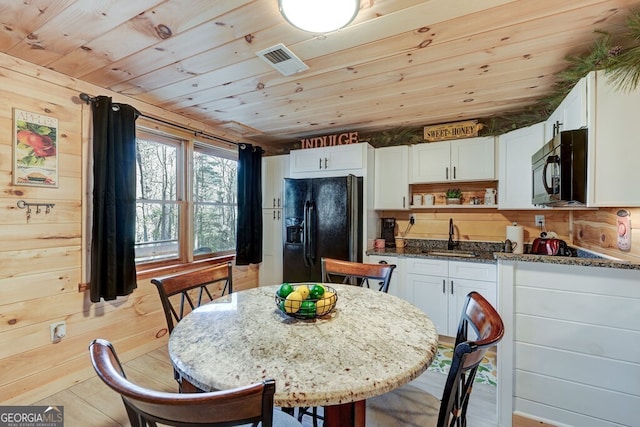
(489, 252)
(585, 261)
(372, 343)
(484, 256)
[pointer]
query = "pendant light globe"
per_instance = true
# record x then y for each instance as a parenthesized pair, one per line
(319, 16)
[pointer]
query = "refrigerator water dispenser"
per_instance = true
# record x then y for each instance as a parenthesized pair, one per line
(294, 230)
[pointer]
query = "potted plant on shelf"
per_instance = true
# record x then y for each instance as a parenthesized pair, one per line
(454, 196)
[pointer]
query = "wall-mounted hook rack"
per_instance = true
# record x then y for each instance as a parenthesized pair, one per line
(25, 205)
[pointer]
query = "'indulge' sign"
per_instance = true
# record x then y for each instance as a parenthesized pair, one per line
(330, 140)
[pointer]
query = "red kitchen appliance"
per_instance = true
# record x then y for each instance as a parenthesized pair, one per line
(542, 246)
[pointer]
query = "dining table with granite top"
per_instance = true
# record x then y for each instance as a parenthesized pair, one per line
(371, 343)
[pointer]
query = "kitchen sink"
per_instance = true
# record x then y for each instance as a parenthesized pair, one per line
(459, 254)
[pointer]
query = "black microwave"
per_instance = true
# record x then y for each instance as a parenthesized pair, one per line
(559, 170)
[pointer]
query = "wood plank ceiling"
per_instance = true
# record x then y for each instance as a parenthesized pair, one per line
(401, 63)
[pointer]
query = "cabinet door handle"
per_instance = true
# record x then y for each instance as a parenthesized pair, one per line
(278, 201)
(274, 215)
(444, 291)
(404, 201)
(446, 173)
(454, 172)
(556, 127)
(325, 162)
(452, 287)
(320, 165)
(278, 215)
(274, 202)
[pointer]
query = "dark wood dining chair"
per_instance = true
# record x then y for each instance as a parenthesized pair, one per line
(357, 273)
(480, 328)
(251, 405)
(194, 288)
(353, 273)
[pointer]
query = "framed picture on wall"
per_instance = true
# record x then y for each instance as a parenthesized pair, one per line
(35, 149)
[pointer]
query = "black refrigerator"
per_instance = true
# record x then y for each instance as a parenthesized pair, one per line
(323, 218)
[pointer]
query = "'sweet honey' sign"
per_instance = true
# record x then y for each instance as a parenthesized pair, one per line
(330, 140)
(466, 129)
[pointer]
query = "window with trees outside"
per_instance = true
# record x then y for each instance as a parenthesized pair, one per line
(186, 199)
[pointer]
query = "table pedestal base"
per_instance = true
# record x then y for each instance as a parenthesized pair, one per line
(348, 414)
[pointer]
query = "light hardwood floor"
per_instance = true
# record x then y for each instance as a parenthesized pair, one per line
(91, 404)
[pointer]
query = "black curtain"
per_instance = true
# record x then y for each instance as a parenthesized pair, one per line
(249, 232)
(113, 269)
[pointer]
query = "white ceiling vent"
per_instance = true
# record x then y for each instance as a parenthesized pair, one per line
(282, 59)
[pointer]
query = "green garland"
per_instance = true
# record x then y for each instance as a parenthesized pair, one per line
(620, 59)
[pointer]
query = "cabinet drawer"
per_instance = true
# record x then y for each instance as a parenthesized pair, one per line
(472, 270)
(376, 259)
(431, 267)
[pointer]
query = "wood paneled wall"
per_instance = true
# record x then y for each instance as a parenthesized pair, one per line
(590, 229)
(41, 260)
(598, 231)
(485, 225)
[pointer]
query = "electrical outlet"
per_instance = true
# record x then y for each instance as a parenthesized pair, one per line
(58, 331)
(412, 219)
(540, 220)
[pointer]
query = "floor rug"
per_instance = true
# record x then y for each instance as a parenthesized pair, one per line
(486, 371)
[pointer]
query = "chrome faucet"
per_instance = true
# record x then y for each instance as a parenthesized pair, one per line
(450, 244)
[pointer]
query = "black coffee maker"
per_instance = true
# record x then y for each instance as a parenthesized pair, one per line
(389, 232)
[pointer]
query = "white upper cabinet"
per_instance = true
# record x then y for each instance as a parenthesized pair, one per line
(613, 144)
(430, 162)
(571, 113)
(274, 170)
(514, 166)
(471, 159)
(329, 161)
(391, 178)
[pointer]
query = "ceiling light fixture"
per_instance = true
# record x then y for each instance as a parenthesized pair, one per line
(319, 16)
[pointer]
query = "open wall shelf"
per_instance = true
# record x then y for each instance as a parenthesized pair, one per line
(470, 190)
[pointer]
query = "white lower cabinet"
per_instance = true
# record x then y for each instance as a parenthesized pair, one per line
(396, 286)
(430, 294)
(439, 288)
